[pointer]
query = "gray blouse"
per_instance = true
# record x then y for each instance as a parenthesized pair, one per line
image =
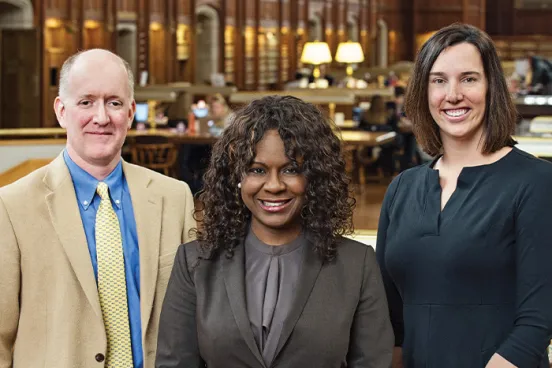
(271, 275)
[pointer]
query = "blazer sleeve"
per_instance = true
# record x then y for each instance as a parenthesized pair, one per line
(371, 342)
(393, 297)
(526, 344)
(189, 221)
(177, 344)
(10, 283)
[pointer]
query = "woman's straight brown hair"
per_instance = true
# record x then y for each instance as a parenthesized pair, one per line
(500, 116)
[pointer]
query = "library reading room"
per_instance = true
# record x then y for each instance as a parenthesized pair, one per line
(380, 170)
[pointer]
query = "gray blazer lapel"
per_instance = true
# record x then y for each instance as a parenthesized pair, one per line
(148, 207)
(234, 278)
(64, 213)
(309, 273)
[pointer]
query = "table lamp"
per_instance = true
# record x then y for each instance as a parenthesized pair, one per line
(349, 53)
(316, 53)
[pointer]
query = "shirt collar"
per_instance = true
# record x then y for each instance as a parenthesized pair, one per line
(85, 184)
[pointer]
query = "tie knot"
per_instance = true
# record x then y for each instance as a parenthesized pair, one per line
(103, 190)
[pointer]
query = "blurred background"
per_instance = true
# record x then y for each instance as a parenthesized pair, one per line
(195, 61)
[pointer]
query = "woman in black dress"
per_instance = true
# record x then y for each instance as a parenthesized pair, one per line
(464, 242)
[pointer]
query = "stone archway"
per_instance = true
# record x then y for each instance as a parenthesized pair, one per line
(16, 14)
(207, 41)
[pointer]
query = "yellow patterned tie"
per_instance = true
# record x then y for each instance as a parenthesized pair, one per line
(112, 283)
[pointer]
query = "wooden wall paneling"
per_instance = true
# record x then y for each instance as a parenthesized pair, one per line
(302, 33)
(183, 40)
(532, 22)
(170, 41)
(407, 37)
(256, 48)
(362, 29)
(269, 40)
(157, 42)
(19, 51)
(229, 41)
(239, 50)
(293, 37)
(473, 12)
(143, 38)
(499, 17)
(76, 24)
(251, 52)
(193, 44)
(57, 46)
(415, 26)
(344, 21)
(335, 16)
(263, 55)
(56, 8)
(38, 21)
(483, 14)
(110, 25)
(435, 14)
(128, 6)
(281, 34)
(326, 22)
(94, 31)
(222, 36)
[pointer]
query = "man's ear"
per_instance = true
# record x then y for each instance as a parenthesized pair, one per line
(131, 113)
(59, 108)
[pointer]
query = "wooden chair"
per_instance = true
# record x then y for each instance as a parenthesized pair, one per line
(156, 153)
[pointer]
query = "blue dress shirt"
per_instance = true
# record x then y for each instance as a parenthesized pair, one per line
(85, 189)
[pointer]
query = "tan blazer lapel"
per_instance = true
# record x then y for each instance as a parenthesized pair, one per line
(148, 207)
(234, 278)
(307, 278)
(64, 213)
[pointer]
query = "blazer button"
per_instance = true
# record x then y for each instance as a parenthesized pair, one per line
(100, 358)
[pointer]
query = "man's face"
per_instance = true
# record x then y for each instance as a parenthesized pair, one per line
(96, 110)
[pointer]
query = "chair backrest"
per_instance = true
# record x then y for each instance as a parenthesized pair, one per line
(154, 152)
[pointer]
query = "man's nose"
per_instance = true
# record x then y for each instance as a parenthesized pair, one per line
(101, 116)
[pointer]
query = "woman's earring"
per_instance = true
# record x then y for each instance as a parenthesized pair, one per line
(239, 185)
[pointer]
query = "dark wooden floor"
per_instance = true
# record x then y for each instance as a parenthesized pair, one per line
(368, 205)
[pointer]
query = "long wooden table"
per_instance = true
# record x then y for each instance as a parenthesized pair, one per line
(349, 137)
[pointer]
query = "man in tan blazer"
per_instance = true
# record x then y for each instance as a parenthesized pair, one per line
(50, 310)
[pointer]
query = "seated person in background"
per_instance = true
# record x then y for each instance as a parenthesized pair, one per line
(403, 126)
(540, 82)
(377, 119)
(219, 111)
(195, 158)
(271, 281)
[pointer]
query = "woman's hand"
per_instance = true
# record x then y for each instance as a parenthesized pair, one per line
(397, 357)
(498, 361)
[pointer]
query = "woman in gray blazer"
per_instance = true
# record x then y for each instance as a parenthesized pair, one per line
(271, 281)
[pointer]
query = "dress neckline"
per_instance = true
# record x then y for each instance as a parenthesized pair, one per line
(477, 168)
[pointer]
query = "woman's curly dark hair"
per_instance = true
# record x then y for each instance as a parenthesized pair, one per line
(309, 139)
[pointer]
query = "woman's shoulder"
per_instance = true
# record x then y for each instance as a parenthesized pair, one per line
(528, 165)
(195, 254)
(351, 248)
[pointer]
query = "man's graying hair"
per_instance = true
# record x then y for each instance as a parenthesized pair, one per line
(68, 64)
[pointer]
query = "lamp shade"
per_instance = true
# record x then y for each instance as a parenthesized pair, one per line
(349, 52)
(316, 53)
